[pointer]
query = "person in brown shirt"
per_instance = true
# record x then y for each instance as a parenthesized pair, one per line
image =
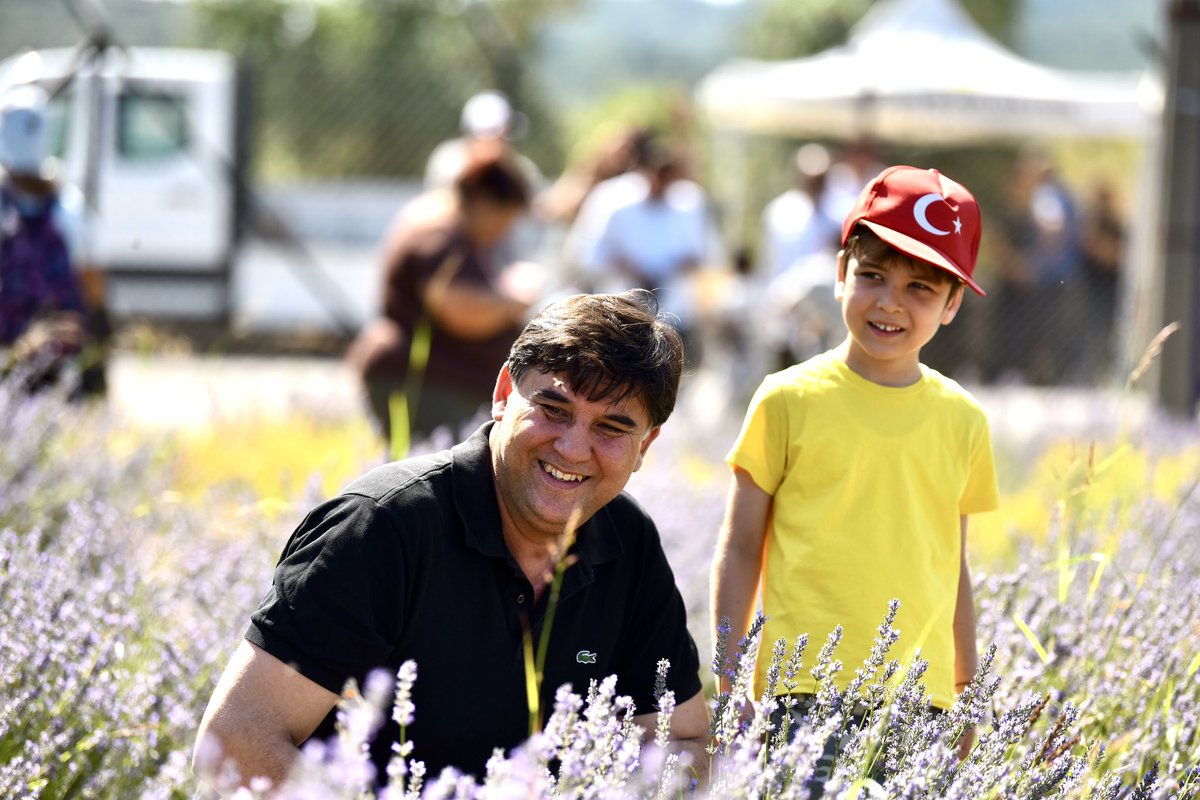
(449, 311)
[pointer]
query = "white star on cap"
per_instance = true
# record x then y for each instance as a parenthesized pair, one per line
(958, 224)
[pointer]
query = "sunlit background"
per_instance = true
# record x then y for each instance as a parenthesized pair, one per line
(339, 104)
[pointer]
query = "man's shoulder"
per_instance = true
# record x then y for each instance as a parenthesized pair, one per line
(627, 535)
(624, 508)
(387, 483)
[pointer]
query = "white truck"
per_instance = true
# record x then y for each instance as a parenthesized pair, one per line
(152, 138)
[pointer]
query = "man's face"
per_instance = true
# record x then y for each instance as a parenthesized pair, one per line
(556, 454)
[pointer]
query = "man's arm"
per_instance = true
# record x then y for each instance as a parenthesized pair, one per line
(260, 713)
(966, 654)
(737, 565)
(688, 734)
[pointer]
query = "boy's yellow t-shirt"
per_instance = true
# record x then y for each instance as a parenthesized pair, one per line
(868, 483)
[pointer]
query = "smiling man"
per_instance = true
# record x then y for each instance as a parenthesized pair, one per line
(446, 559)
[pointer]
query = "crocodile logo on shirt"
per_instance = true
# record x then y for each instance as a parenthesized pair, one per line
(585, 657)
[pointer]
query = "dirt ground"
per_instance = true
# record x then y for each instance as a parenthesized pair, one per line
(174, 389)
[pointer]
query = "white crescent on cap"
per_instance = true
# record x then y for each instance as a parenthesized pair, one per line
(919, 213)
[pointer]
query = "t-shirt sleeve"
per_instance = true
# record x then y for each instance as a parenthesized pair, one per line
(659, 632)
(762, 444)
(335, 606)
(981, 492)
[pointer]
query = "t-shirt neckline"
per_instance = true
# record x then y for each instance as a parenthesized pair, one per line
(865, 384)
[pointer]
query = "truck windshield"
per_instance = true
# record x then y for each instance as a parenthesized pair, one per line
(151, 125)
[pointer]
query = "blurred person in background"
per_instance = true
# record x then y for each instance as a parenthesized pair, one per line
(486, 117)
(798, 223)
(617, 155)
(621, 183)
(489, 122)
(573, 203)
(798, 316)
(450, 307)
(446, 559)
(658, 240)
(1104, 233)
(51, 312)
(1039, 299)
(852, 169)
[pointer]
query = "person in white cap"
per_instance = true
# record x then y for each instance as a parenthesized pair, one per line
(798, 223)
(488, 124)
(486, 117)
(44, 308)
(797, 316)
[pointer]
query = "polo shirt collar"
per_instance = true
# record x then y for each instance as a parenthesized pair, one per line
(598, 541)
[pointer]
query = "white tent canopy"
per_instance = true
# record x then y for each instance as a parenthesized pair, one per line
(923, 71)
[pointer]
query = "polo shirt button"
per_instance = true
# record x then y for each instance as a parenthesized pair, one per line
(520, 598)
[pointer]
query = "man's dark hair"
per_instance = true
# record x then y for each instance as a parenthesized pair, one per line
(607, 346)
(491, 174)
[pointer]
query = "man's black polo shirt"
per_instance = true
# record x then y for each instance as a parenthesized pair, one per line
(409, 563)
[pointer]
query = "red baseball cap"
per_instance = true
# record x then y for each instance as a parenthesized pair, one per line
(923, 214)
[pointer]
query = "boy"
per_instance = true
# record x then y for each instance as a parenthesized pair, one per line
(855, 471)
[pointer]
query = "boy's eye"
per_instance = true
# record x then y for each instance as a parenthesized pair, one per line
(923, 287)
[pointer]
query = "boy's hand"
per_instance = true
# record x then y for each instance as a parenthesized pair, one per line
(966, 743)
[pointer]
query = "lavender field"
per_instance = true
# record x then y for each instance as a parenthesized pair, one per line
(130, 559)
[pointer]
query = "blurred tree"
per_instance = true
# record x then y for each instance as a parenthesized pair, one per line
(997, 17)
(791, 28)
(369, 87)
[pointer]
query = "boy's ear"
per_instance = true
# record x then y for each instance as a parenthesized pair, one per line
(839, 287)
(953, 303)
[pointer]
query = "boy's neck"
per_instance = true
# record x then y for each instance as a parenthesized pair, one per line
(893, 373)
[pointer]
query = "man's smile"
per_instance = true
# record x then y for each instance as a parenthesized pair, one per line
(560, 475)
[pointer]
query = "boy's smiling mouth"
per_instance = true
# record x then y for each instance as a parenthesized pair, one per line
(560, 475)
(883, 327)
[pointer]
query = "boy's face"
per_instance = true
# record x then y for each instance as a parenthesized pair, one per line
(892, 308)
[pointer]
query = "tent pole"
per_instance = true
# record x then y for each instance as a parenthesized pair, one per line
(1179, 287)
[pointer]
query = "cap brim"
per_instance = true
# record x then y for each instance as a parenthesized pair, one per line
(919, 250)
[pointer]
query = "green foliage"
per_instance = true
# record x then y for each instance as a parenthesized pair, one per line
(792, 29)
(656, 106)
(370, 87)
(997, 17)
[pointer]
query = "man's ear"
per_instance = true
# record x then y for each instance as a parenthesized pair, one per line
(504, 387)
(651, 435)
(953, 304)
